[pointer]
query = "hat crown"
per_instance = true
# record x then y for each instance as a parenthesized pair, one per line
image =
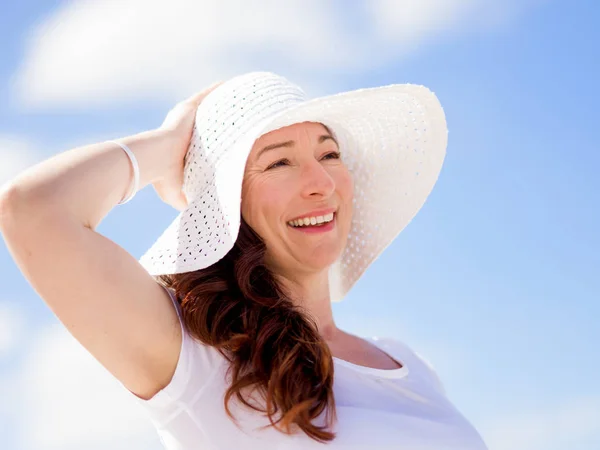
(226, 115)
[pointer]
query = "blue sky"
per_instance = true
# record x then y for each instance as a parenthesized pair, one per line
(495, 281)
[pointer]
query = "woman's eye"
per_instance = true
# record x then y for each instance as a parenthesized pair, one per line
(280, 163)
(332, 155)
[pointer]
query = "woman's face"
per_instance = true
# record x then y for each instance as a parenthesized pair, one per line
(295, 176)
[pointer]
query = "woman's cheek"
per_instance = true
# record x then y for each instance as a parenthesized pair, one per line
(344, 182)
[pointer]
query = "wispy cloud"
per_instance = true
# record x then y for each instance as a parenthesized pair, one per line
(16, 154)
(12, 324)
(91, 53)
(68, 401)
(408, 22)
(565, 425)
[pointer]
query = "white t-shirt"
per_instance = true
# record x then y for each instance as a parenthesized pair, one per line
(376, 409)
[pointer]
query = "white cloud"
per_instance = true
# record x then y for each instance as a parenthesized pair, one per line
(11, 327)
(407, 22)
(91, 53)
(69, 401)
(562, 426)
(16, 154)
(100, 52)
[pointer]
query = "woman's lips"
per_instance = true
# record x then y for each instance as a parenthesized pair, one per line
(322, 228)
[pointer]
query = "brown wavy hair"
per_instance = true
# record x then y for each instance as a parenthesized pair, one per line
(237, 306)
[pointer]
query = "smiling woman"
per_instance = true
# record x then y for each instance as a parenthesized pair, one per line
(225, 332)
(296, 173)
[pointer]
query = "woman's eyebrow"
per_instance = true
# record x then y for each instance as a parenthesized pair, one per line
(322, 139)
(274, 146)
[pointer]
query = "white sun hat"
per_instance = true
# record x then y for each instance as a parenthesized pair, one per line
(392, 139)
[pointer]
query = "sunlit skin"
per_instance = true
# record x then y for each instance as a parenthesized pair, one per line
(305, 177)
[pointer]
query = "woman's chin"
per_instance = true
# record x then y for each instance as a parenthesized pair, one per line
(319, 260)
(305, 259)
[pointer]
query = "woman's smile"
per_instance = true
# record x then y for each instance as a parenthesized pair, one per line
(320, 221)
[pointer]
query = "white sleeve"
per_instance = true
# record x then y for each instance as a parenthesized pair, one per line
(195, 369)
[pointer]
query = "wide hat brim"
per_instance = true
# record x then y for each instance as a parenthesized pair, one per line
(393, 140)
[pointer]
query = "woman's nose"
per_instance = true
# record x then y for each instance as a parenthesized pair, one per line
(316, 181)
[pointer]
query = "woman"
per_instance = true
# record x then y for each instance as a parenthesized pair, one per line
(284, 203)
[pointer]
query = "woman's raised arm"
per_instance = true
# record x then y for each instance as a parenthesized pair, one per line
(100, 292)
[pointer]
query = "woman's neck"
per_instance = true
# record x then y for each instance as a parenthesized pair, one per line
(311, 293)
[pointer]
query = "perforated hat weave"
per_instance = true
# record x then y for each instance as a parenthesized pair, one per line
(392, 138)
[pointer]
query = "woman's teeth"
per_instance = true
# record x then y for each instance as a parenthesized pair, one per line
(310, 221)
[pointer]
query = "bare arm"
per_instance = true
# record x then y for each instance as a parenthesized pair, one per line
(104, 297)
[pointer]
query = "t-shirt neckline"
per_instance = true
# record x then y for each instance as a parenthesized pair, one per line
(397, 373)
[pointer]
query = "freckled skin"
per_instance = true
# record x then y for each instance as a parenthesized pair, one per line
(286, 182)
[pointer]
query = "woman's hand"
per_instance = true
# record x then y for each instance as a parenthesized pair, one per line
(179, 124)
